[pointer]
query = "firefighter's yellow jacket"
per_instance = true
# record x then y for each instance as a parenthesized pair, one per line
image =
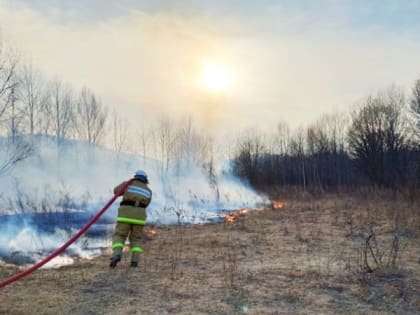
(135, 199)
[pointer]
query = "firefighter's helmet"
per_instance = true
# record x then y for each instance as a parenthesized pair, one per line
(140, 174)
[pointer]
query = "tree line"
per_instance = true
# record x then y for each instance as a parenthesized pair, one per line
(376, 144)
(31, 105)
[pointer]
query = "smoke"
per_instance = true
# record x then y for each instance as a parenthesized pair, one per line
(50, 196)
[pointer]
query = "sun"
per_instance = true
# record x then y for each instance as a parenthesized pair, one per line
(215, 76)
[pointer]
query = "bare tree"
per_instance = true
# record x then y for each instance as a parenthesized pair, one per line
(31, 96)
(415, 110)
(8, 64)
(365, 138)
(192, 147)
(326, 151)
(282, 138)
(13, 152)
(144, 135)
(14, 116)
(336, 127)
(13, 149)
(182, 145)
(318, 150)
(281, 150)
(163, 142)
(206, 154)
(376, 136)
(90, 117)
(189, 145)
(119, 132)
(249, 152)
(58, 107)
(297, 149)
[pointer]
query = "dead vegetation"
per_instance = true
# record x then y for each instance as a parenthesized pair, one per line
(329, 255)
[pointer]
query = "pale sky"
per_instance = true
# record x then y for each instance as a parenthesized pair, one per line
(286, 60)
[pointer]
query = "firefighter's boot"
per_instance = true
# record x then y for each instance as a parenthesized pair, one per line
(114, 261)
(134, 264)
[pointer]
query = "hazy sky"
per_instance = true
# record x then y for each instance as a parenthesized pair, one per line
(287, 60)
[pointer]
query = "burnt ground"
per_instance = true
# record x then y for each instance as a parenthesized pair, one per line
(309, 257)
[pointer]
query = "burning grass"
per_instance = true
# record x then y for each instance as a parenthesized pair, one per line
(234, 215)
(296, 257)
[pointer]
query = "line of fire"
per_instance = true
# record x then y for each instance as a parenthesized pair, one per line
(231, 217)
(151, 232)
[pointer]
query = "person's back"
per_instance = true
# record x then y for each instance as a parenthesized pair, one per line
(131, 217)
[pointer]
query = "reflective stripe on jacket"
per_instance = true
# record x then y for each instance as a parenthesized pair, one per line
(139, 193)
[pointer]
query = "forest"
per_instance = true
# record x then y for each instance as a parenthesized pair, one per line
(375, 145)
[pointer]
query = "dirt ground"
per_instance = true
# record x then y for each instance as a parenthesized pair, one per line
(311, 256)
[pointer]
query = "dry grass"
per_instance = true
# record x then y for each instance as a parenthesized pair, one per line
(306, 258)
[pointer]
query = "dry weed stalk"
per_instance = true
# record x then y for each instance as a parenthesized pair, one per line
(237, 296)
(230, 268)
(380, 254)
(178, 248)
(349, 220)
(230, 260)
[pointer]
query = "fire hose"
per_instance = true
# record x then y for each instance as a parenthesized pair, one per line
(61, 249)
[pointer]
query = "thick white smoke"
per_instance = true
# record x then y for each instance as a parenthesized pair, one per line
(48, 197)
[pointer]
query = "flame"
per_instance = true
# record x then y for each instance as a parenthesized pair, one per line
(151, 233)
(277, 204)
(231, 217)
(241, 212)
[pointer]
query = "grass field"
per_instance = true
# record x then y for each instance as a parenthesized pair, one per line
(328, 255)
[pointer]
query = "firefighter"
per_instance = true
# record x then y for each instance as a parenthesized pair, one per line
(131, 218)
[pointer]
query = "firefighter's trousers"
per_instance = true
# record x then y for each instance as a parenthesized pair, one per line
(134, 234)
